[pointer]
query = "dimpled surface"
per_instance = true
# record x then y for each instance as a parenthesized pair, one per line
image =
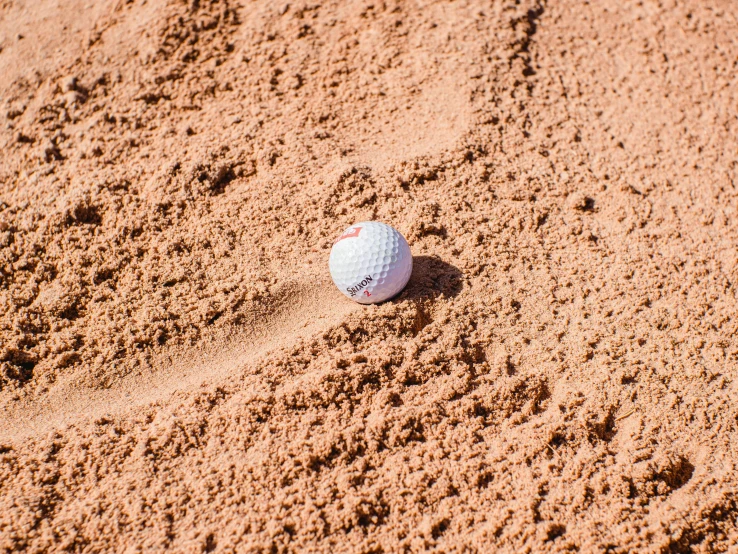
(371, 262)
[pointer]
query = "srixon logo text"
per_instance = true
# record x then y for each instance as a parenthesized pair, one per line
(356, 289)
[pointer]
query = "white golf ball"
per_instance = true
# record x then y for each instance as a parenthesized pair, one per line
(370, 262)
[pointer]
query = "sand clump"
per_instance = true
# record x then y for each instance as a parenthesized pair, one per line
(177, 371)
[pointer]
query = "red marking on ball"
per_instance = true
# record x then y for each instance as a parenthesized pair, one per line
(349, 233)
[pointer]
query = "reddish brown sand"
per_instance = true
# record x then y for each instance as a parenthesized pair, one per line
(177, 370)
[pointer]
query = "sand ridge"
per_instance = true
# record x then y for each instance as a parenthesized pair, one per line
(301, 311)
(559, 373)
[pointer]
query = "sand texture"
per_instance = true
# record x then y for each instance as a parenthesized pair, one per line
(177, 370)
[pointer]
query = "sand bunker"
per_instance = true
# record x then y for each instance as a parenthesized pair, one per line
(177, 370)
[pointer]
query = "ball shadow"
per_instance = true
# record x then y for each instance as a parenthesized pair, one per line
(431, 278)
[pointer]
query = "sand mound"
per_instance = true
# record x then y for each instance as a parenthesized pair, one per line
(177, 371)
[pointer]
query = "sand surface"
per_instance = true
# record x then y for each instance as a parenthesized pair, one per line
(177, 370)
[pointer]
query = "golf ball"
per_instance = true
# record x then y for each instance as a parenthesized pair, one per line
(370, 262)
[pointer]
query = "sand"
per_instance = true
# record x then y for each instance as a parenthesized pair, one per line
(178, 372)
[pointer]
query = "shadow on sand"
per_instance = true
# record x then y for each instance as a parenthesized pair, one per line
(431, 278)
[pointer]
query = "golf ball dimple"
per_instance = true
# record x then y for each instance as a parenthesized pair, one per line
(370, 262)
